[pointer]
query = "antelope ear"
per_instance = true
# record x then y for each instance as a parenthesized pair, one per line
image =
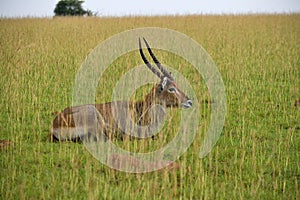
(164, 82)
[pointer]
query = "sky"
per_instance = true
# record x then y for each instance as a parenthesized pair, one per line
(44, 8)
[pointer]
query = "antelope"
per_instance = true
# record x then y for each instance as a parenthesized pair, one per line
(166, 93)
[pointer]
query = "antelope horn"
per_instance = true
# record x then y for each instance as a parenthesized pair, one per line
(162, 69)
(155, 71)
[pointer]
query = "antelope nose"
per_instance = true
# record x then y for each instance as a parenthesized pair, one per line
(190, 103)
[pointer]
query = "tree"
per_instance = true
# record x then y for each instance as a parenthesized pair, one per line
(71, 8)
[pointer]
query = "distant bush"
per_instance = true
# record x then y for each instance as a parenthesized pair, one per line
(71, 8)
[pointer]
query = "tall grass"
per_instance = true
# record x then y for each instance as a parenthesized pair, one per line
(257, 156)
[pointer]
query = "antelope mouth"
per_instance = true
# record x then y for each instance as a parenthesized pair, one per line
(187, 104)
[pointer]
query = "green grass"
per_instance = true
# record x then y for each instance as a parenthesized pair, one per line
(257, 156)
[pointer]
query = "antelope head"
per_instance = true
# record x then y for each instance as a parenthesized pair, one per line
(166, 92)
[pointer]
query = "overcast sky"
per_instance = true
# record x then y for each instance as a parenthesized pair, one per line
(44, 8)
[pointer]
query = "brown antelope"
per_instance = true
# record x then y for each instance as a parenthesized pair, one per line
(166, 94)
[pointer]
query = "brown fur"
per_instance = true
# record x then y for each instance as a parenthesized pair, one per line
(139, 110)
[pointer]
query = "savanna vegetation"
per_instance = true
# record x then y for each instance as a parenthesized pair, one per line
(256, 157)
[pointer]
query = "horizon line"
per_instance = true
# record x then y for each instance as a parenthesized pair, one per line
(162, 15)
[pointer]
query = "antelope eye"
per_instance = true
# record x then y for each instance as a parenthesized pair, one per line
(172, 89)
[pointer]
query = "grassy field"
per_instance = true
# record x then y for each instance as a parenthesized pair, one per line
(257, 156)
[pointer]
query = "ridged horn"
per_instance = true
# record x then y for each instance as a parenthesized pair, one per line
(155, 71)
(160, 67)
